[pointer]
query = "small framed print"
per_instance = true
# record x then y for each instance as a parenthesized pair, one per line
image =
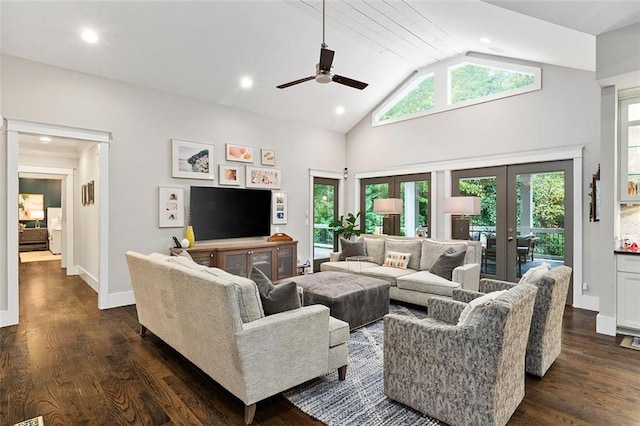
(239, 153)
(192, 160)
(260, 177)
(170, 207)
(268, 157)
(229, 175)
(90, 192)
(279, 208)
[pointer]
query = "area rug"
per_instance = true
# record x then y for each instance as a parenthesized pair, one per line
(38, 256)
(36, 421)
(631, 343)
(359, 400)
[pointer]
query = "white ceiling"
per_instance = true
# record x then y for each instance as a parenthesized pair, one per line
(202, 49)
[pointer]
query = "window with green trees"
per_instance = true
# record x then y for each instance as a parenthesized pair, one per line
(470, 81)
(419, 99)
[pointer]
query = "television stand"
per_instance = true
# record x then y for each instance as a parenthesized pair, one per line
(277, 259)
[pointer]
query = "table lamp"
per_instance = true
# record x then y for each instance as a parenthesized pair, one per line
(37, 215)
(461, 206)
(386, 207)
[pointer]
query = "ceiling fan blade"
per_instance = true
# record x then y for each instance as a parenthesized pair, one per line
(326, 59)
(349, 82)
(293, 83)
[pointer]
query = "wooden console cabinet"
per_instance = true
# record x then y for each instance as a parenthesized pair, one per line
(276, 259)
(31, 239)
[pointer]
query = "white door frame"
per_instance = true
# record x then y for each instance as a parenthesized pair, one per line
(14, 128)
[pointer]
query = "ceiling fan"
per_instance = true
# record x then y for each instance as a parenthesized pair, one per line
(323, 68)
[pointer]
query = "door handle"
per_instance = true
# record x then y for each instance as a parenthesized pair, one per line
(510, 239)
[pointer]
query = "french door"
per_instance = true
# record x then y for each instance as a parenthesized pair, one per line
(415, 192)
(526, 215)
(325, 211)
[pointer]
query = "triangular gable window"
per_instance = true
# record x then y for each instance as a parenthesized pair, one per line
(470, 81)
(418, 99)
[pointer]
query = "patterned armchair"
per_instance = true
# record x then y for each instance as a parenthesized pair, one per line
(545, 338)
(463, 375)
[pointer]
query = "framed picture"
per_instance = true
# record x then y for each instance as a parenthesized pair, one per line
(268, 157)
(239, 153)
(30, 206)
(259, 177)
(90, 192)
(192, 160)
(229, 175)
(170, 207)
(83, 191)
(279, 208)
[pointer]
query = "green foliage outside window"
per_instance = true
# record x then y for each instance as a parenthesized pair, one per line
(418, 100)
(471, 81)
(323, 205)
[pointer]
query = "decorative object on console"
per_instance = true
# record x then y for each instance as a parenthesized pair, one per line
(386, 207)
(229, 175)
(192, 160)
(37, 215)
(461, 206)
(190, 235)
(170, 207)
(268, 157)
(239, 153)
(29, 203)
(258, 177)
(279, 208)
(279, 236)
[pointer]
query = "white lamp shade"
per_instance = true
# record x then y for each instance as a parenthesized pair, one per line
(387, 205)
(462, 205)
(37, 214)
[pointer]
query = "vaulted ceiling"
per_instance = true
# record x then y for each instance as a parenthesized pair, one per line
(202, 49)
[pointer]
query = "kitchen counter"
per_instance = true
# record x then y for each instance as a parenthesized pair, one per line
(623, 251)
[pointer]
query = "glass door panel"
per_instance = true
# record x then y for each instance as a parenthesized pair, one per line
(373, 222)
(325, 208)
(415, 216)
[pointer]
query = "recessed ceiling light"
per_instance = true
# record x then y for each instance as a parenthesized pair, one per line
(340, 110)
(45, 139)
(89, 36)
(246, 82)
(485, 40)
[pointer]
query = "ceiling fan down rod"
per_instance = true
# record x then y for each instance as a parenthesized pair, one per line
(324, 45)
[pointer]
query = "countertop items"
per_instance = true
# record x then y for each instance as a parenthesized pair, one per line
(626, 251)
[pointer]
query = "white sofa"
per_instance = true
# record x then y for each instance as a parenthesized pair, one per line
(216, 321)
(415, 284)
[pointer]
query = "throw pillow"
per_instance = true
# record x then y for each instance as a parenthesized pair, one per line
(471, 311)
(352, 248)
(397, 260)
(375, 249)
(449, 260)
(275, 298)
(534, 274)
(406, 246)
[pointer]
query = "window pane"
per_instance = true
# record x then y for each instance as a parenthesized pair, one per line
(373, 221)
(469, 81)
(634, 112)
(323, 214)
(418, 99)
(415, 215)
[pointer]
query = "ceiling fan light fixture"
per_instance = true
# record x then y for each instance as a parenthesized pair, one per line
(323, 78)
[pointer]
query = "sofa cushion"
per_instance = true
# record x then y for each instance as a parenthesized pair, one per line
(352, 248)
(386, 273)
(375, 249)
(534, 274)
(470, 313)
(246, 293)
(427, 282)
(412, 246)
(447, 262)
(187, 262)
(432, 249)
(396, 259)
(275, 298)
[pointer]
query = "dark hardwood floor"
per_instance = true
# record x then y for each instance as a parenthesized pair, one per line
(76, 365)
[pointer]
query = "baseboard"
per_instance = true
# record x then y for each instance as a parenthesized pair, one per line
(88, 278)
(8, 318)
(591, 303)
(605, 325)
(124, 298)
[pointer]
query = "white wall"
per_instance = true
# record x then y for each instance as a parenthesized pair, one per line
(143, 122)
(618, 56)
(87, 216)
(564, 113)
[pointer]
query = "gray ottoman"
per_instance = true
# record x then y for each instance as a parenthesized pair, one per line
(355, 299)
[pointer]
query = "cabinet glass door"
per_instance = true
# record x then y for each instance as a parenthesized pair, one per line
(262, 260)
(285, 262)
(630, 149)
(236, 263)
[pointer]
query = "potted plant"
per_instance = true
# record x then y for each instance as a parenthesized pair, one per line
(347, 227)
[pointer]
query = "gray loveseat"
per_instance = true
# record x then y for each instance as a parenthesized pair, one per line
(216, 321)
(416, 284)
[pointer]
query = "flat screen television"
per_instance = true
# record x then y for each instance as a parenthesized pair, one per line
(218, 213)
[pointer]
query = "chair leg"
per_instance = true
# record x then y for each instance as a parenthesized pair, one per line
(249, 412)
(342, 373)
(143, 330)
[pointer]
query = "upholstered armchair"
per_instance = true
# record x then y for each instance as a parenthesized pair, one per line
(545, 338)
(469, 374)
